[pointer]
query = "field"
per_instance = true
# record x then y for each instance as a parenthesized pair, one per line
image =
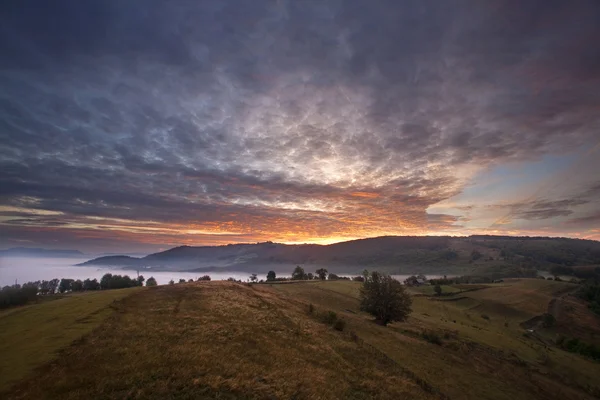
(32, 335)
(228, 340)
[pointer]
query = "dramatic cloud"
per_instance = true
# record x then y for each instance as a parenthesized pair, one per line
(153, 123)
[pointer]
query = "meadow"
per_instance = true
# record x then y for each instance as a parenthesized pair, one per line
(234, 340)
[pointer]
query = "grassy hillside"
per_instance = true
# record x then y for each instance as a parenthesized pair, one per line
(32, 335)
(219, 340)
(227, 340)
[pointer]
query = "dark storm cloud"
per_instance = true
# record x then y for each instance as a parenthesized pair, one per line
(341, 116)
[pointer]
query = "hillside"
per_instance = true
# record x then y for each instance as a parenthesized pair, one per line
(227, 340)
(492, 255)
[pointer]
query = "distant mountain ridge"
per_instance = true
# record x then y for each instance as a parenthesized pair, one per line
(395, 254)
(39, 252)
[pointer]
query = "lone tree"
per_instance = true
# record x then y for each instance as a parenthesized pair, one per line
(298, 274)
(322, 273)
(385, 298)
(253, 278)
(151, 281)
(437, 289)
(271, 276)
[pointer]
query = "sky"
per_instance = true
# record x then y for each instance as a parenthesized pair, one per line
(139, 125)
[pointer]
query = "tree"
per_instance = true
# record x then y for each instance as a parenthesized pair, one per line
(151, 281)
(385, 298)
(105, 281)
(64, 285)
(77, 286)
(310, 276)
(190, 280)
(253, 278)
(181, 280)
(204, 278)
(333, 277)
(140, 280)
(44, 287)
(321, 273)
(298, 274)
(437, 289)
(171, 282)
(91, 284)
(271, 276)
(53, 285)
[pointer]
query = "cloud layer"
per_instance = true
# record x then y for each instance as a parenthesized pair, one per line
(218, 121)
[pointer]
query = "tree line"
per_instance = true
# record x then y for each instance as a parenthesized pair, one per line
(15, 295)
(299, 274)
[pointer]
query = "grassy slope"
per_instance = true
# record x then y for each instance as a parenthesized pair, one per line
(481, 358)
(226, 340)
(31, 335)
(219, 340)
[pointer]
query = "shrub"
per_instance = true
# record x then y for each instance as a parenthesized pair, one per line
(432, 337)
(151, 281)
(485, 316)
(311, 308)
(548, 320)
(339, 325)
(329, 317)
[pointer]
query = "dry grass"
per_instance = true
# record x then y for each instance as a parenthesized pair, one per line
(226, 340)
(478, 358)
(219, 340)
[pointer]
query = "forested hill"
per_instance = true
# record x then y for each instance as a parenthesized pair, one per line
(396, 254)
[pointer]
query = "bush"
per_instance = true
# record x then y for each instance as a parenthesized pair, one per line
(311, 308)
(590, 292)
(574, 345)
(339, 325)
(329, 317)
(432, 337)
(548, 320)
(485, 316)
(151, 281)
